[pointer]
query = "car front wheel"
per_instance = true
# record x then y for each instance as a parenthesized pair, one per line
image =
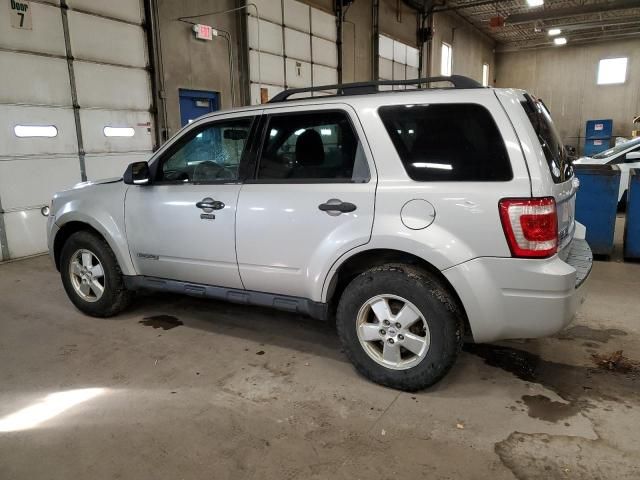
(399, 326)
(91, 275)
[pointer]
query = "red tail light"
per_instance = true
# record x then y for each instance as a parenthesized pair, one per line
(530, 225)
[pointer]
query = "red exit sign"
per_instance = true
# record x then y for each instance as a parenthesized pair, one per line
(204, 32)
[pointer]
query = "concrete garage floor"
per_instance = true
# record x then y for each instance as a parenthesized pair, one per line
(247, 393)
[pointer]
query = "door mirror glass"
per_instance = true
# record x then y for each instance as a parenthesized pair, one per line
(137, 173)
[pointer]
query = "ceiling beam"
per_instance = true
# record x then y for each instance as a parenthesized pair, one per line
(552, 13)
(515, 46)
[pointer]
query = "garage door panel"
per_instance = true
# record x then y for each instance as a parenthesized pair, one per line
(412, 73)
(99, 167)
(385, 68)
(128, 10)
(271, 68)
(89, 34)
(46, 21)
(62, 118)
(324, 75)
(296, 15)
(255, 92)
(107, 86)
(413, 57)
(30, 182)
(399, 52)
(324, 52)
(26, 232)
(270, 36)
(268, 9)
(399, 72)
(298, 73)
(323, 25)
(23, 80)
(96, 141)
(297, 45)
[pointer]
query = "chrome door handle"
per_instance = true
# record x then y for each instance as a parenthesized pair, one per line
(337, 206)
(210, 204)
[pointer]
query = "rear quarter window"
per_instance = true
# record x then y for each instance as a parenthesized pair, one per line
(447, 142)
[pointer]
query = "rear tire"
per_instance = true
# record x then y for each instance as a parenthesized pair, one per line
(91, 276)
(427, 348)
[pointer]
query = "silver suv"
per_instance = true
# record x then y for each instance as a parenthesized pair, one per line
(415, 218)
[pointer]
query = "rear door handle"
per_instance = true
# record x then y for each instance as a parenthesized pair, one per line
(336, 206)
(210, 204)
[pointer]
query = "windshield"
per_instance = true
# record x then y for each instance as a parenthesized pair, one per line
(550, 141)
(618, 148)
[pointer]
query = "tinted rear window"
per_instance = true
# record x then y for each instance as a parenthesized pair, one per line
(554, 151)
(447, 142)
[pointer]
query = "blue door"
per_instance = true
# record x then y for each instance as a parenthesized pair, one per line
(195, 103)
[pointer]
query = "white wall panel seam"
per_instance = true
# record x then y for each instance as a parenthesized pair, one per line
(31, 52)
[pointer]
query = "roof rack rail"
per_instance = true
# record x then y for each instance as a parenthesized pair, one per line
(364, 88)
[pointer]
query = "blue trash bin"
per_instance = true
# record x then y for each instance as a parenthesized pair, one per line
(632, 222)
(597, 204)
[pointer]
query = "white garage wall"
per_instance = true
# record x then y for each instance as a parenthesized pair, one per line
(291, 45)
(110, 86)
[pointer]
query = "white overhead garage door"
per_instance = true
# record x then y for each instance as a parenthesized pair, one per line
(54, 55)
(291, 45)
(396, 61)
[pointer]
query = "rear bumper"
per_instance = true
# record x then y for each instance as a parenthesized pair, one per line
(522, 298)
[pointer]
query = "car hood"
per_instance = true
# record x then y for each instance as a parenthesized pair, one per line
(96, 182)
(590, 161)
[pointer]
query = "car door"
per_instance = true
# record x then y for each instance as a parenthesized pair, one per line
(312, 200)
(182, 225)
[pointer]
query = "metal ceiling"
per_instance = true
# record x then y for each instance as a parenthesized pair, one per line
(526, 27)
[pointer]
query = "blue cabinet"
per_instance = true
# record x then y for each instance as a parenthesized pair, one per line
(598, 136)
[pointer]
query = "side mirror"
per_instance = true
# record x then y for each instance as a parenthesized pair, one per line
(633, 156)
(137, 173)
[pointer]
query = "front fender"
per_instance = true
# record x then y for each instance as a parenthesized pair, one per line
(102, 208)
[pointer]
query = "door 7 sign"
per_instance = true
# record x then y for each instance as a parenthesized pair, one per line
(20, 13)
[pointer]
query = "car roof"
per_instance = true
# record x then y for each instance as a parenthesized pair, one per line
(369, 99)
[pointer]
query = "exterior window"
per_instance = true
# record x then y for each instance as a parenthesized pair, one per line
(23, 131)
(446, 59)
(118, 132)
(208, 154)
(312, 146)
(549, 138)
(612, 71)
(447, 142)
(485, 74)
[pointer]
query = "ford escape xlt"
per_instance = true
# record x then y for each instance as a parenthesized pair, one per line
(417, 218)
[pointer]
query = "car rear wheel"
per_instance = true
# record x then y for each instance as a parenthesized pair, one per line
(91, 276)
(399, 326)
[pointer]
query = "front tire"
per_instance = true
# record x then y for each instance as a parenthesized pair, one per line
(399, 327)
(91, 276)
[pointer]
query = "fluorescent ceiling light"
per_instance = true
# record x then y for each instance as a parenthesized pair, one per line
(535, 3)
(554, 31)
(560, 41)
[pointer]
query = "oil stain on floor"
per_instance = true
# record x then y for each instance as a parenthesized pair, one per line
(165, 322)
(578, 386)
